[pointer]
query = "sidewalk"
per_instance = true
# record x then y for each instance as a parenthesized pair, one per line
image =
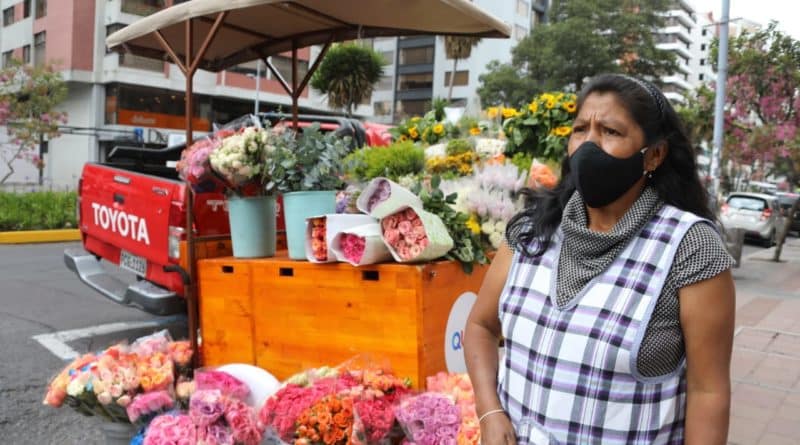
(766, 351)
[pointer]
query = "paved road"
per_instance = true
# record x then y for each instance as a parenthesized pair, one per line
(38, 295)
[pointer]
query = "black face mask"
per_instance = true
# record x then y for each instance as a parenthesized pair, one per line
(601, 178)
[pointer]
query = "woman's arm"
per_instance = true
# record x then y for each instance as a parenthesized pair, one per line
(707, 311)
(481, 340)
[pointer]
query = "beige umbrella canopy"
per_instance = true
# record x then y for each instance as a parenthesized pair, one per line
(255, 29)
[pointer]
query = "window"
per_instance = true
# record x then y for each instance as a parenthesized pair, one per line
(415, 81)
(388, 57)
(537, 18)
(26, 54)
(461, 79)
(141, 7)
(382, 108)
(41, 8)
(519, 32)
(416, 56)
(385, 84)
(704, 32)
(702, 47)
(522, 8)
(407, 108)
(8, 16)
(141, 63)
(26, 9)
(284, 66)
(39, 44)
(7, 57)
(701, 77)
(702, 62)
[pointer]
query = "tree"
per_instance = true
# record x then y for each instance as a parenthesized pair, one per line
(588, 37)
(504, 84)
(348, 75)
(458, 47)
(28, 97)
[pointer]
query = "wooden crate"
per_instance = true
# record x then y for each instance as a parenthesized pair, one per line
(307, 315)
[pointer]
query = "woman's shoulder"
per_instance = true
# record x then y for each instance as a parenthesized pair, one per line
(701, 254)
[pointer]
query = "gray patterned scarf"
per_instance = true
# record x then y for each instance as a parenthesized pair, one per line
(584, 253)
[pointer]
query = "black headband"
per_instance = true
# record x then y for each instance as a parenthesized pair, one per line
(656, 95)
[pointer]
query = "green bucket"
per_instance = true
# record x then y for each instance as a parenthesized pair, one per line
(252, 226)
(297, 206)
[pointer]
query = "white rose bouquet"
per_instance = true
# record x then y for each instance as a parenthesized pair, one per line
(250, 160)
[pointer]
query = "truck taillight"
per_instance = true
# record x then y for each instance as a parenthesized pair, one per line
(766, 214)
(175, 237)
(724, 209)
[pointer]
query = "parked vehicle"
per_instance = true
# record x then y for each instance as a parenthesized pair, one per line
(132, 214)
(757, 213)
(791, 202)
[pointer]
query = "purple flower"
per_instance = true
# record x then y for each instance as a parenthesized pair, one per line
(206, 406)
(216, 434)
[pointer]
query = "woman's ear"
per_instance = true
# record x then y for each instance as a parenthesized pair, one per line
(656, 155)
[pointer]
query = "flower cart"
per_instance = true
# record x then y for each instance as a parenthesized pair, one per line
(283, 315)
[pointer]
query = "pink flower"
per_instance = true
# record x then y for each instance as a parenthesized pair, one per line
(405, 253)
(404, 227)
(415, 251)
(409, 214)
(206, 406)
(391, 236)
(148, 404)
(216, 434)
(416, 222)
(167, 428)
(227, 384)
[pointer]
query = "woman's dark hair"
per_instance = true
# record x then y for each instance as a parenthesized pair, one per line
(676, 180)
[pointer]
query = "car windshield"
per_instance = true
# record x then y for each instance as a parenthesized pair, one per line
(747, 203)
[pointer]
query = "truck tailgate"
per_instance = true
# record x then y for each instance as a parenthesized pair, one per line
(129, 211)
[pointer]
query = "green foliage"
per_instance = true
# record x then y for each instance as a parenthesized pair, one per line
(583, 38)
(458, 146)
(28, 97)
(397, 160)
(438, 105)
(523, 161)
(467, 247)
(315, 163)
(542, 127)
(348, 74)
(426, 129)
(37, 211)
(696, 114)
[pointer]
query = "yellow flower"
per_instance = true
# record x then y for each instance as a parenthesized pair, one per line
(415, 119)
(509, 112)
(438, 129)
(403, 138)
(563, 131)
(533, 106)
(473, 225)
(492, 112)
(544, 97)
(550, 104)
(413, 132)
(570, 106)
(474, 131)
(559, 96)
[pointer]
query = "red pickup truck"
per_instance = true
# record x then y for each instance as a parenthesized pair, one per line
(132, 213)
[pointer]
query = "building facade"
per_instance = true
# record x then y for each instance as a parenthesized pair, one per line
(114, 96)
(418, 69)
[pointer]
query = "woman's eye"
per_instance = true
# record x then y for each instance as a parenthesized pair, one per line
(612, 131)
(578, 129)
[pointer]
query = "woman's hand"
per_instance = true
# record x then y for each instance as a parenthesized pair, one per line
(496, 429)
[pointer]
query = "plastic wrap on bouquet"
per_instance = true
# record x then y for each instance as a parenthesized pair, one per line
(429, 419)
(383, 197)
(414, 235)
(361, 245)
(321, 230)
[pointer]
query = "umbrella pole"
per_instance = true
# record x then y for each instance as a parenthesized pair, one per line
(295, 93)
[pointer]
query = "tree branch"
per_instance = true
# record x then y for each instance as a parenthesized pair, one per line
(9, 163)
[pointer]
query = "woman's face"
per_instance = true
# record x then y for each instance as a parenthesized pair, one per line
(606, 122)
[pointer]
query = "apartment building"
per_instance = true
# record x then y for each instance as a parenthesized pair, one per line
(116, 96)
(700, 64)
(418, 69)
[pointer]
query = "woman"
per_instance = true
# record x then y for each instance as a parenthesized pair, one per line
(614, 297)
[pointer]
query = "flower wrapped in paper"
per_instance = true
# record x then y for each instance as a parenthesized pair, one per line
(414, 235)
(321, 231)
(383, 197)
(361, 245)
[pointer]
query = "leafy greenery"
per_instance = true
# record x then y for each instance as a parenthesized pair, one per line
(315, 163)
(397, 160)
(542, 127)
(28, 97)
(467, 247)
(523, 161)
(428, 128)
(583, 38)
(348, 74)
(37, 211)
(458, 146)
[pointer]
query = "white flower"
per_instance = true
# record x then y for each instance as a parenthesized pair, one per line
(487, 227)
(500, 226)
(496, 239)
(76, 386)
(436, 151)
(487, 148)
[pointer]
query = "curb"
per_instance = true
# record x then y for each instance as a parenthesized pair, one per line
(40, 236)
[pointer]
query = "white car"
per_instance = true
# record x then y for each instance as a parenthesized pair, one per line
(757, 213)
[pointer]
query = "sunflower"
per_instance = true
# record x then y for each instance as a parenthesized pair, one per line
(563, 131)
(474, 131)
(415, 119)
(544, 97)
(570, 106)
(533, 106)
(509, 112)
(550, 104)
(413, 132)
(438, 129)
(492, 112)
(403, 138)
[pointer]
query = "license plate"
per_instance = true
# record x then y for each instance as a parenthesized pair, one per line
(133, 263)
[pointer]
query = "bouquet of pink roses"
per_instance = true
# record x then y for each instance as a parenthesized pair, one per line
(414, 235)
(459, 387)
(429, 419)
(361, 245)
(169, 428)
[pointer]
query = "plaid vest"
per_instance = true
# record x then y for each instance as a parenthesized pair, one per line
(569, 375)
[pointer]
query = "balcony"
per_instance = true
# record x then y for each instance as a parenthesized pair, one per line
(141, 7)
(142, 63)
(679, 48)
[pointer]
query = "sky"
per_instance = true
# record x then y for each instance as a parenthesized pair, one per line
(785, 12)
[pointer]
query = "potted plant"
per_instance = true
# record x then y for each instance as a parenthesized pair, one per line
(313, 171)
(250, 162)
